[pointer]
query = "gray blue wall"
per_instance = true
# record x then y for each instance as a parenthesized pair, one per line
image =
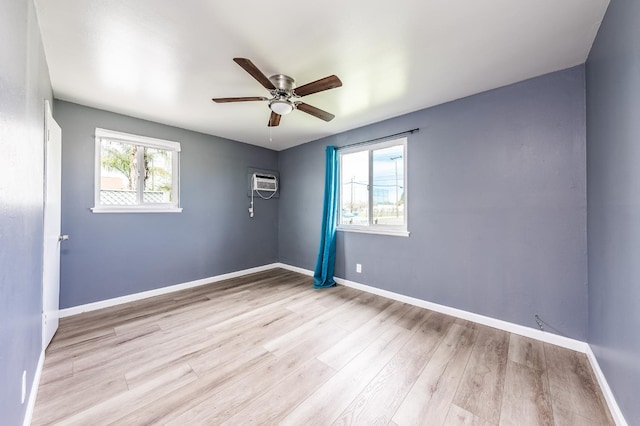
(613, 179)
(111, 255)
(497, 206)
(24, 84)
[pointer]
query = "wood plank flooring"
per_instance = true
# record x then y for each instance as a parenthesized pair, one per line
(268, 349)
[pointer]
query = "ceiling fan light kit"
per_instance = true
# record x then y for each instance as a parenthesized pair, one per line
(284, 93)
(281, 106)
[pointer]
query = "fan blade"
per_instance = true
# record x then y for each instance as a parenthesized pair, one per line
(248, 66)
(316, 112)
(326, 83)
(245, 99)
(274, 119)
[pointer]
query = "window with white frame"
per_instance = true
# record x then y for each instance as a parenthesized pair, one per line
(136, 173)
(373, 184)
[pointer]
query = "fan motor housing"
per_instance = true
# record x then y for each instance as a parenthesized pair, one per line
(283, 82)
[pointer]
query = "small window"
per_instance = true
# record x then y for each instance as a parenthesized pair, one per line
(373, 188)
(136, 174)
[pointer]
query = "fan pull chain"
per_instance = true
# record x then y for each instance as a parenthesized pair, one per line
(270, 134)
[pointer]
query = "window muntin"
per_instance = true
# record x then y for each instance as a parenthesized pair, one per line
(373, 188)
(135, 173)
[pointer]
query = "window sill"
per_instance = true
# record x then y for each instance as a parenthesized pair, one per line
(378, 231)
(135, 210)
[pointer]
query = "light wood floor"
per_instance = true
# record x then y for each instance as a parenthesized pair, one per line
(268, 349)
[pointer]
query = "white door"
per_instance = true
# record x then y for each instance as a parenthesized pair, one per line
(52, 237)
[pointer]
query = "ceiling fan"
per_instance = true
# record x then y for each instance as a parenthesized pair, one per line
(284, 93)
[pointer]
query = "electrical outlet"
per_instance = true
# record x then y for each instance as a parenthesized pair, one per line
(24, 386)
(358, 268)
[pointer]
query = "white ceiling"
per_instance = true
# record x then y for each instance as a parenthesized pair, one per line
(163, 60)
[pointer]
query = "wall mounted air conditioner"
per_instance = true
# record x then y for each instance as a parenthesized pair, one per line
(264, 182)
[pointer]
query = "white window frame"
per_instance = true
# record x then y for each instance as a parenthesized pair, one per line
(372, 228)
(146, 142)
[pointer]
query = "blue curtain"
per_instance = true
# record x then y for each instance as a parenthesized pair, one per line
(323, 275)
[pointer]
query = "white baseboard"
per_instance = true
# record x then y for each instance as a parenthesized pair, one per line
(33, 393)
(521, 330)
(294, 269)
(554, 339)
(606, 390)
(75, 310)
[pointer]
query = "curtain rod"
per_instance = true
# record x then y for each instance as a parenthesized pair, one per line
(380, 138)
